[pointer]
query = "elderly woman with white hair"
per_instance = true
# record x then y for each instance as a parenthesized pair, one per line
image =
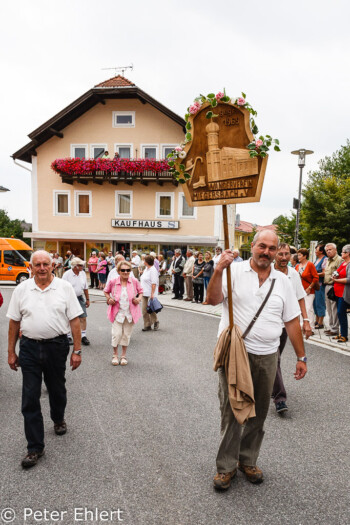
(123, 295)
(341, 279)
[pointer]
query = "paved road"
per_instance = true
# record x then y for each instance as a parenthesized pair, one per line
(143, 438)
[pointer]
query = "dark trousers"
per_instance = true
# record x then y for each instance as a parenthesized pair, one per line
(179, 286)
(342, 307)
(94, 280)
(37, 359)
(198, 289)
(279, 392)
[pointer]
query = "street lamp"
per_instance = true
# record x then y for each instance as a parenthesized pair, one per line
(2, 189)
(301, 163)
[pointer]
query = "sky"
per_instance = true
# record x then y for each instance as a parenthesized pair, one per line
(291, 60)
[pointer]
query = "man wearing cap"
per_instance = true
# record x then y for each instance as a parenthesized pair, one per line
(44, 309)
(135, 263)
(77, 278)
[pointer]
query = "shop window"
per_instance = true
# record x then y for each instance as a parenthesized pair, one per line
(61, 202)
(123, 203)
(164, 205)
(123, 119)
(83, 203)
(145, 248)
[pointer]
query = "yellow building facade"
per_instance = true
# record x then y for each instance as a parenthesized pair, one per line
(98, 210)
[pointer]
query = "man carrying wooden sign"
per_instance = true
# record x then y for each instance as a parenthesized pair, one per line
(221, 162)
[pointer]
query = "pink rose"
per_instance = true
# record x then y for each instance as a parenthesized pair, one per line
(178, 149)
(194, 108)
(219, 95)
(240, 101)
(258, 143)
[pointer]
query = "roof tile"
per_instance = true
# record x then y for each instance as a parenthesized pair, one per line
(117, 81)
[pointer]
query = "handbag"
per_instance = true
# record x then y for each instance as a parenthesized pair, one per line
(154, 305)
(331, 294)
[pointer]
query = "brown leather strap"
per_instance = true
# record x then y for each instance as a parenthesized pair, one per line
(260, 310)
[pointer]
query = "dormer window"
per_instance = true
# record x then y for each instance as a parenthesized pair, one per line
(123, 119)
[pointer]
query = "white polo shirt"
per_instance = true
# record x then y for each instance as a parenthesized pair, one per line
(295, 281)
(281, 307)
(78, 282)
(44, 314)
(150, 276)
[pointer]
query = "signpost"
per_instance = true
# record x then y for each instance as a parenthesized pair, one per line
(221, 162)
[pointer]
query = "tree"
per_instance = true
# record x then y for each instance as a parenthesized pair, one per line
(10, 227)
(325, 211)
(286, 227)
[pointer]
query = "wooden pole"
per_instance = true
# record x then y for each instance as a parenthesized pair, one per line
(228, 270)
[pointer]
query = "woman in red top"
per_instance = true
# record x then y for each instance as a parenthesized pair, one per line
(340, 281)
(309, 277)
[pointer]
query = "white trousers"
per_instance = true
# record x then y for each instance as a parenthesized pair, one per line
(309, 305)
(121, 332)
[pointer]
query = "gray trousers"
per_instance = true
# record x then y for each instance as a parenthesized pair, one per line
(331, 306)
(242, 442)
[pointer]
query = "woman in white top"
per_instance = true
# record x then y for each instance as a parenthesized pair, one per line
(149, 283)
(123, 296)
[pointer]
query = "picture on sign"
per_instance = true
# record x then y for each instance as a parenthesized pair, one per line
(221, 161)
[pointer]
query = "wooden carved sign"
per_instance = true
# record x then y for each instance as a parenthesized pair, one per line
(218, 165)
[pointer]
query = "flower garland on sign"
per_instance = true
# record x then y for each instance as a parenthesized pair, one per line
(257, 148)
(76, 166)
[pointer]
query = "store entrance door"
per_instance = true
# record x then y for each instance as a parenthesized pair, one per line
(124, 248)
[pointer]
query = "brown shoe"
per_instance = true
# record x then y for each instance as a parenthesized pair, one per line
(222, 480)
(31, 459)
(252, 473)
(60, 428)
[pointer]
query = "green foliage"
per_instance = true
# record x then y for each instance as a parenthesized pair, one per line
(10, 227)
(325, 212)
(286, 228)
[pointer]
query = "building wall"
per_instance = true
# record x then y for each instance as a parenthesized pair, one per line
(93, 128)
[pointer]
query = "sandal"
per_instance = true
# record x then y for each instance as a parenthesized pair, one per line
(123, 361)
(115, 360)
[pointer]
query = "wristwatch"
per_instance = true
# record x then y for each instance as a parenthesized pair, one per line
(303, 359)
(76, 352)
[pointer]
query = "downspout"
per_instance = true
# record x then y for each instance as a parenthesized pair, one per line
(20, 165)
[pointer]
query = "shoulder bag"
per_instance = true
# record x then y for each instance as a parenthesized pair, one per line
(259, 311)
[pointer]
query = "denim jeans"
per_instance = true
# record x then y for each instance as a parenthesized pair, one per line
(342, 316)
(38, 359)
(279, 392)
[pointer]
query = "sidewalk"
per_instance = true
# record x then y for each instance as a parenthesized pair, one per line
(319, 339)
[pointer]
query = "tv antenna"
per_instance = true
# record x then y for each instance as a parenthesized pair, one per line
(121, 68)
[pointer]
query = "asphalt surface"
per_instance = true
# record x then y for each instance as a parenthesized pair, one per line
(143, 438)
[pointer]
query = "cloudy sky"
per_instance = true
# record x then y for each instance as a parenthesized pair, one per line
(291, 59)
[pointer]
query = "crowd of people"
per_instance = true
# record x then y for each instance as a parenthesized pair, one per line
(48, 313)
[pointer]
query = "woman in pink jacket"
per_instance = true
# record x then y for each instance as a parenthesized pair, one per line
(123, 296)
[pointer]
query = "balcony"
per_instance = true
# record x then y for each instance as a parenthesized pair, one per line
(113, 171)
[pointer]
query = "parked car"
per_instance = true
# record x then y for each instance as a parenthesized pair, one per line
(14, 260)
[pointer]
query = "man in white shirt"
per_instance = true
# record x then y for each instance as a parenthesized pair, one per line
(76, 276)
(113, 274)
(135, 263)
(282, 259)
(251, 281)
(236, 257)
(44, 309)
(188, 275)
(216, 258)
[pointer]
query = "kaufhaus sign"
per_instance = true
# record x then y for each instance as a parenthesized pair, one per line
(141, 223)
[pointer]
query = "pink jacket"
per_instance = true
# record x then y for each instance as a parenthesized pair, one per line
(114, 288)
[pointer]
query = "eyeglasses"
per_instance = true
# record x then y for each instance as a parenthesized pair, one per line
(128, 271)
